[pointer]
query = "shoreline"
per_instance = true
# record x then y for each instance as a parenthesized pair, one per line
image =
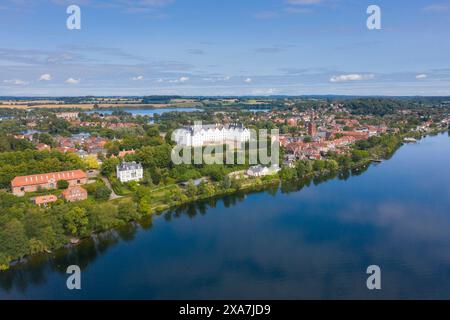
(255, 185)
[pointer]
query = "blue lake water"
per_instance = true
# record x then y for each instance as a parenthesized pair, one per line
(297, 242)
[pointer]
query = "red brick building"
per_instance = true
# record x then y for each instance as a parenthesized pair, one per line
(44, 200)
(21, 185)
(73, 194)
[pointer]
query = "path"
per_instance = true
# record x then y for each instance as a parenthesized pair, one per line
(108, 184)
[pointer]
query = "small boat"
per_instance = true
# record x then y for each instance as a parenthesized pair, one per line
(410, 140)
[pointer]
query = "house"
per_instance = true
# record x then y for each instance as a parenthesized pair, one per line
(195, 182)
(123, 153)
(75, 193)
(289, 160)
(67, 115)
(42, 147)
(32, 183)
(129, 171)
(261, 171)
(44, 200)
(292, 122)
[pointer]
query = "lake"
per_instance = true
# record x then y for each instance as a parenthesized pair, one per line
(305, 241)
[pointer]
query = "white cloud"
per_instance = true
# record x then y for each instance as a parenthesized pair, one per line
(437, 8)
(421, 76)
(264, 92)
(180, 79)
(45, 77)
(217, 79)
(138, 78)
(351, 77)
(72, 81)
(16, 82)
(248, 80)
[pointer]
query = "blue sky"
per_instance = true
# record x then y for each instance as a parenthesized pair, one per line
(224, 47)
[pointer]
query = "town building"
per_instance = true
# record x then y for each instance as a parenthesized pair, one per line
(129, 171)
(67, 115)
(44, 200)
(73, 194)
(261, 171)
(124, 153)
(292, 122)
(197, 136)
(312, 129)
(32, 183)
(43, 147)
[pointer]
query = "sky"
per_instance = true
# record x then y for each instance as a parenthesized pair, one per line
(224, 47)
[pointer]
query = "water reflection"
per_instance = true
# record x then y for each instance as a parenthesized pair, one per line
(278, 243)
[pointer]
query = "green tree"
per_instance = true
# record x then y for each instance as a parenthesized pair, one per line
(191, 189)
(36, 246)
(76, 221)
(226, 182)
(109, 166)
(13, 240)
(127, 211)
(62, 184)
(102, 193)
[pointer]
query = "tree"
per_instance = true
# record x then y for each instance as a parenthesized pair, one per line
(102, 192)
(127, 211)
(104, 216)
(91, 162)
(36, 246)
(109, 166)
(236, 184)
(153, 132)
(191, 189)
(206, 189)
(226, 182)
(62, 184)
(358, 155)
(4, 261)
(288, 173)
(144, 207)
(76, 220)
(13, 240)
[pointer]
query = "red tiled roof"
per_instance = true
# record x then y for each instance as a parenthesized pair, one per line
(70, 191)
(46, 177)
(123, 153)
(45, 199)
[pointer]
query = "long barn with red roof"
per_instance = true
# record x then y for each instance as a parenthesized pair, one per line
(21, 185)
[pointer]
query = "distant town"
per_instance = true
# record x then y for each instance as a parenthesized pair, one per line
(97, 163)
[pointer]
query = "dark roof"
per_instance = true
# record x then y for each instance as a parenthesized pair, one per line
(126, 166)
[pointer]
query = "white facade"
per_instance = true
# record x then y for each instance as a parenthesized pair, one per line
(197, 136)
(130, 171)
(261, 171)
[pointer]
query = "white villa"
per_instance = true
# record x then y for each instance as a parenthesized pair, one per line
(261, 171)
(197, 136)
(130, 171)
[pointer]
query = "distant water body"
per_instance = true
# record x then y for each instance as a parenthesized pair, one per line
(298, 241)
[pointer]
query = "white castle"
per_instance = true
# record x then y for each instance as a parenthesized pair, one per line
(201, 135)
